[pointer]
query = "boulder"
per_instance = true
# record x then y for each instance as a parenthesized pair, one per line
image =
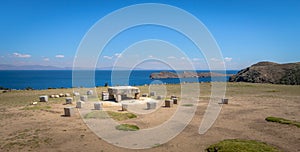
(67, 95)
(61, 95)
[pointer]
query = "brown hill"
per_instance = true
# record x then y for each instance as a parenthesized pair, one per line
(269, 72)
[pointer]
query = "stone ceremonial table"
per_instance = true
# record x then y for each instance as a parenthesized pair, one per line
(121, 92)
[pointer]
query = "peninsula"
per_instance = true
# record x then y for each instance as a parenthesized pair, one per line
(185, 74)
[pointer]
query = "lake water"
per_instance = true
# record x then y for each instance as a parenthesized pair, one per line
(44, 79)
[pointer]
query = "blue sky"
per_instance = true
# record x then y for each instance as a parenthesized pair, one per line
(48, 32)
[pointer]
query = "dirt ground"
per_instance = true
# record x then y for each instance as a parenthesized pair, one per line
(46, 129)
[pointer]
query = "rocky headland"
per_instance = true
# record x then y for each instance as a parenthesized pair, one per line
(269, 72)
(185, 74)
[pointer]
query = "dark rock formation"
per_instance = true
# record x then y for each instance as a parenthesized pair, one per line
(269, 72)
(185, 74)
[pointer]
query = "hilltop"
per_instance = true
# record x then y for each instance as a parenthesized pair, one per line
(269, 72)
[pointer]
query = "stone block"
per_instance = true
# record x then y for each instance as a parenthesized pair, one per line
(124, 107)
(224, 101)
(97, 106)
(83, 98)
(152, 94)
(145, 95)
(105, 96)
(90, 92)
(168, 103)
(69, 111)
(175, 100)
(43, 98)
(159, 97)
(69, 100)
(151, 105)
(79, 104)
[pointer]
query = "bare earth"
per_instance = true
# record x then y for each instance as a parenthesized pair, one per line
(46, 129)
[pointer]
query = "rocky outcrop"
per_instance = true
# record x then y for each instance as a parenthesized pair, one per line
(269, 72)
(163, 75)
(185, 74)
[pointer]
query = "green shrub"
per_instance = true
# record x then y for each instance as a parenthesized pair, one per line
(235, 145)
(127, 127)
(283, 121)
(188, 105)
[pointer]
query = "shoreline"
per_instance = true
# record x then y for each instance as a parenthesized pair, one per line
(64, 79)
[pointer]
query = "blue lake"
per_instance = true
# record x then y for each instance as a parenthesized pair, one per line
(44, 79)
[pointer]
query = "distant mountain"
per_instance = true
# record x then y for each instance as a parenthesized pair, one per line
(42, 67)
(118, 68)
(269, 72)
(29, 67)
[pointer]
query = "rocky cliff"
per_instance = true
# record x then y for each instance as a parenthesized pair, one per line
(269, 72)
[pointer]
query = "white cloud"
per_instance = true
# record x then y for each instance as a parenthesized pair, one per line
(227, 59)
(196, 59)
(46, 59)
(59, 56)
(118, 55)
(19, 55)
(171, 57)
(214, 59)
(182, 58)
(150, 56)
(107, 57)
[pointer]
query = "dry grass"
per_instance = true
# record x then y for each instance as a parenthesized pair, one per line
(249, 104)
(109, 114)
(29, 138)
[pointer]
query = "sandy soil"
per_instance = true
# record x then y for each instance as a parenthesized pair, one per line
(243, 118)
